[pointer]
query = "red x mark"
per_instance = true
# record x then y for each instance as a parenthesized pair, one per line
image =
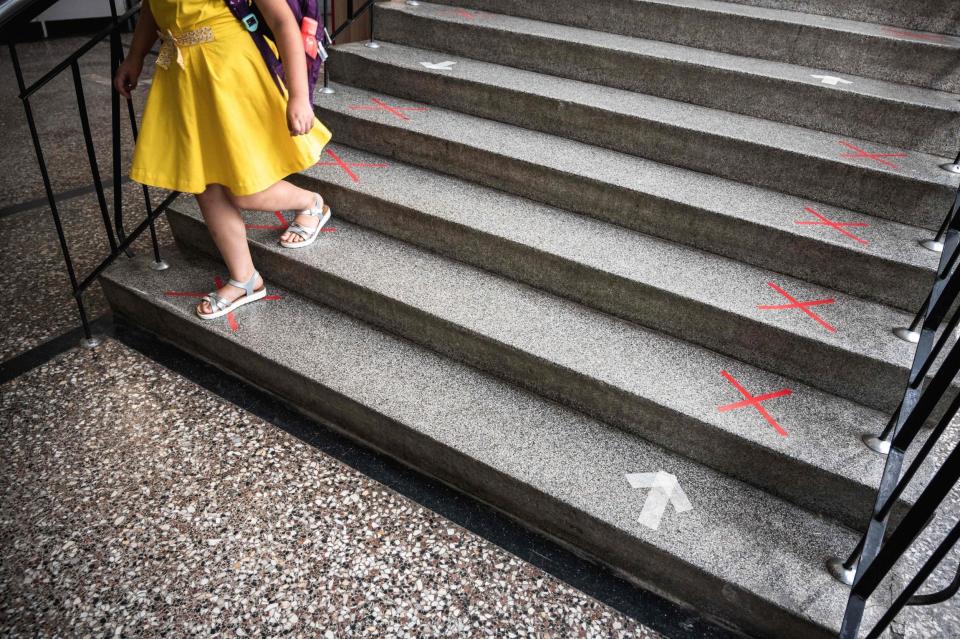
(346, 165)
(282, 225)
(383, 106)
(803, 306)
(463, 13)
(936, 37)
(836, 226)
(876, 157)
(231, 320)
(755, 401)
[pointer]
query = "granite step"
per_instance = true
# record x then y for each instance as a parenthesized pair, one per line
(658, 387)
(739, 554)
(938, 16)
(899, 115)
(863, 49)
(722, 216)
(876, 259)
(766, 154)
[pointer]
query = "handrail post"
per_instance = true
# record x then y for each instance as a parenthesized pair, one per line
(327, 30)
(372, 43)
(89, 340)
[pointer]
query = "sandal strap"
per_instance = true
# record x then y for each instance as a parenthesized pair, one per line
(302, 231)
(216, 302)
(246, 286)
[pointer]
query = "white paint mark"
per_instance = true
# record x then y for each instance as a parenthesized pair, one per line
(440, 66)
(831, 80)
(664, 489)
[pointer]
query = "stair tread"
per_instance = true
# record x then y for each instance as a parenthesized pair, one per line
(801, 19)
(823, 429)
(735, 533)
(624, 171)
(881, 89)
(616, 168)
(915, 167)
(444, 195)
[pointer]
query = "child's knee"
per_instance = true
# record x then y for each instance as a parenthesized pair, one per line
(213, 193)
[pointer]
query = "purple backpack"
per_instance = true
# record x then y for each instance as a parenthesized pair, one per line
(308, 15)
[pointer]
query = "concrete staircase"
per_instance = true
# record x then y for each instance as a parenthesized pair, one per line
(572, 245)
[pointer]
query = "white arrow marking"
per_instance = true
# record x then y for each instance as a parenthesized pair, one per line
(664, 489)
(440, 66)
(832, 80)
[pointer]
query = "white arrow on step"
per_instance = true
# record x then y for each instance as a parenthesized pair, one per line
(831, 80)
(664, 489)
(440, 66)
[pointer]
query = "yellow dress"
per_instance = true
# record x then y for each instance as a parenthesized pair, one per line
(214, 115)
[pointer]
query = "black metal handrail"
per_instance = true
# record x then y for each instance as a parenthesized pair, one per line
(932, 373)
(353, 14)
(117, 239)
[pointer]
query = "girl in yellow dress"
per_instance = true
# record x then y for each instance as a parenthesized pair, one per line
(216, 125)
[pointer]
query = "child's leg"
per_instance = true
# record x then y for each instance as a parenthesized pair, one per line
(230, 235)
(282, 196)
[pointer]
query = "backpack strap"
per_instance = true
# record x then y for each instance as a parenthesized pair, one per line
(244, 12)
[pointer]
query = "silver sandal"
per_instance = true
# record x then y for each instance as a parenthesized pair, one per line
(307, 235)
(223, 306)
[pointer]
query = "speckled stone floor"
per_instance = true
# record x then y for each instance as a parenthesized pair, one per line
(159, 509)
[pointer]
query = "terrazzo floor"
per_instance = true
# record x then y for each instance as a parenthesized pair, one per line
(158, 509)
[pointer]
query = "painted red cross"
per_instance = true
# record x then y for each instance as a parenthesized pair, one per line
(231, 319)
(379, 105)
(876, 157)
(836, 226)
(803, 306)
(463, 13)
(935, 37)
(282, 224)
(346, 165)
(756, 401)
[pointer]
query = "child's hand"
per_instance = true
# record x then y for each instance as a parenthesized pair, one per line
(300, 116)
(127, 75)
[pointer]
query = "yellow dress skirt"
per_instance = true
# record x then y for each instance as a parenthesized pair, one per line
(214, 114)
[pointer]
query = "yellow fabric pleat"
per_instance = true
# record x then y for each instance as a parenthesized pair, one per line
(217, 118)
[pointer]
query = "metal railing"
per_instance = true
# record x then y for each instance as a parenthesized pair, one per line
(118, 240)
(934, 369)
(353, 13)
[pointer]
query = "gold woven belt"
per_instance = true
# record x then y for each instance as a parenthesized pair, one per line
(170, 44)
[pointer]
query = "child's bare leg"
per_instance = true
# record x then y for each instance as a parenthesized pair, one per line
(282, 196)
(230, 235)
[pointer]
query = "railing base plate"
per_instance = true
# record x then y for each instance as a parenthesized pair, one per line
(327, 91)
(932, 245)
(876, 444)
(906, 334)
(953, 167)
(840, 572)
(373, 44)
(160, 265)
(90, 342)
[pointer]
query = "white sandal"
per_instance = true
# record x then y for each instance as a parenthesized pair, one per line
(223, 306)
(309, 235)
